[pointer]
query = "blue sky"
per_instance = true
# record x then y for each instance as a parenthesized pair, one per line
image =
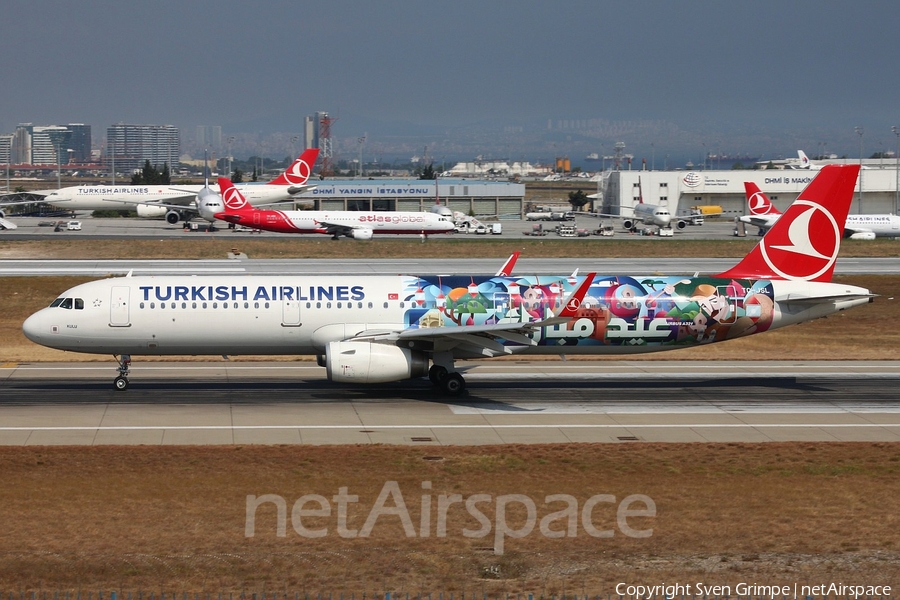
(808, 70)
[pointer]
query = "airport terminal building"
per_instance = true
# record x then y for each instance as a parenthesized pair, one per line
(680, 190)
(481, 198)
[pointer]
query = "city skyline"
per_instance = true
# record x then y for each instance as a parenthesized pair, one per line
(665, 78)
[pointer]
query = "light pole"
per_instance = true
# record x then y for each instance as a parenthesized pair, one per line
(362, 142)
(58, 150)
(230, 141)
(652, 157)
(859, 131)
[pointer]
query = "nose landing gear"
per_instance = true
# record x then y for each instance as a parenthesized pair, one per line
(120, 383)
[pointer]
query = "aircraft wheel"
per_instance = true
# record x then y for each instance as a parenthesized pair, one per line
(453, 384)
(437, 374)
(120, 383)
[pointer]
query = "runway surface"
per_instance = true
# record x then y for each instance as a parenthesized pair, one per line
(507, 402)
(444, 266)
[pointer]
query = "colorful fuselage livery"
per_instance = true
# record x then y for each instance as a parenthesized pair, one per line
(370, 329)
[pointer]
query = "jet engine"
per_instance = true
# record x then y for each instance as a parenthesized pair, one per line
(628, 224)
(680, 224)
(172, 217)
(863, 235)
(151, 212)
(361, 234)
(365, 362)
(2, 215)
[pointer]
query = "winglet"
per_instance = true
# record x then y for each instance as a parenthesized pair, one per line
(573, 303)
(507, 268)
(298, 173)
(804, 242)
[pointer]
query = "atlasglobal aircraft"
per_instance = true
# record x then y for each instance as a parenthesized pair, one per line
(763, 214)
(358, 225)
(371, 329)
(177, 202)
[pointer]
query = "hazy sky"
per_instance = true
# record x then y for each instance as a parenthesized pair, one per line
(807, 66)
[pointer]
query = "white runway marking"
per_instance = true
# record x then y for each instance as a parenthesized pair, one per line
(472, 426)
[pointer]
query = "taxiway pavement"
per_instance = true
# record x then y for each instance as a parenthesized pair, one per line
(506, 402)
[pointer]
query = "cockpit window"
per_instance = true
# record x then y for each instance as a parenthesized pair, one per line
(79, 304)
(67, 303)
(56, 302)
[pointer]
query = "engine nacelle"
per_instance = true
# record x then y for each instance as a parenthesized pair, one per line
(361, 234)
(150, 212)
(680, 224)
(628, 224)
(2, 215)
(364, 362)
(172, 217)
(863, 235)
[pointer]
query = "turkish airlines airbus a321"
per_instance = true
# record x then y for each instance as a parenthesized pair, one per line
(763, 214)
(359, 225)
(370, 329)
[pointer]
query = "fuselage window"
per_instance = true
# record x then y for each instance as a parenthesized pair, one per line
(256, 305)
(204, 305)
(402, 305)
(235, 305)
(224, 305)
(370, 305)
(385, 304)
(142, 305)
(56, 302)
(338, 304)
(153, 305)
(162, 304)
(67, 303)
(318, 305)
(215, 305)
(79, 304)
(309, 305)
(184, 305)
(172, 305)
(359, 305)
(328, 305)
(246, 305)
(193, 305)
(267, 305)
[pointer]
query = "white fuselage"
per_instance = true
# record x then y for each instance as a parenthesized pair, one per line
(651, 214)
(857, 226)
(233, 315)
(120, 197)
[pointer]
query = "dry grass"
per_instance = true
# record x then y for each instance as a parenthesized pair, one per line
(864, 333)
(173, 518)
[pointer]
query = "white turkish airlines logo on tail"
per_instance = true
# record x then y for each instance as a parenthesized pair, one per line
(299, 172)
(759, 204)
(818, 255)
(234, 199)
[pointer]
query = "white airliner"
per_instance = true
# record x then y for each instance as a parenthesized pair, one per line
(648, 214)
(805, 163)
(763, 214)
(179, 202)
(371, 329)
(358, 225)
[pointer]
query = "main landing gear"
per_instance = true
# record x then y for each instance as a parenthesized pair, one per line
(120, 383)
(449, 382)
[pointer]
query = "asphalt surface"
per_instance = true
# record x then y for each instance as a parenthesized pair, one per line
(506, 402)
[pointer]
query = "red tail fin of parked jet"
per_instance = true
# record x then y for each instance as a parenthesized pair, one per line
(233, 198)
(757, 201)
(298, 173)
(803, 244)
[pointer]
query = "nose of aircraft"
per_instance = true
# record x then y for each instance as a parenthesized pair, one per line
(35, 328)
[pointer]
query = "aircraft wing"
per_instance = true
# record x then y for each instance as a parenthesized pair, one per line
(483, 339)
(757, 221)
(299, 189)
(853, 230)
(337, 228)
(188, 207)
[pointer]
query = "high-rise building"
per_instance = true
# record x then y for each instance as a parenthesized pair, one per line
(130, 146)
(80, 142)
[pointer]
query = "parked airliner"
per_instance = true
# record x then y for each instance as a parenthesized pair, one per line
(370, 329)
(177, 202)
(647, 214)
(763, 214)
(358, 225)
